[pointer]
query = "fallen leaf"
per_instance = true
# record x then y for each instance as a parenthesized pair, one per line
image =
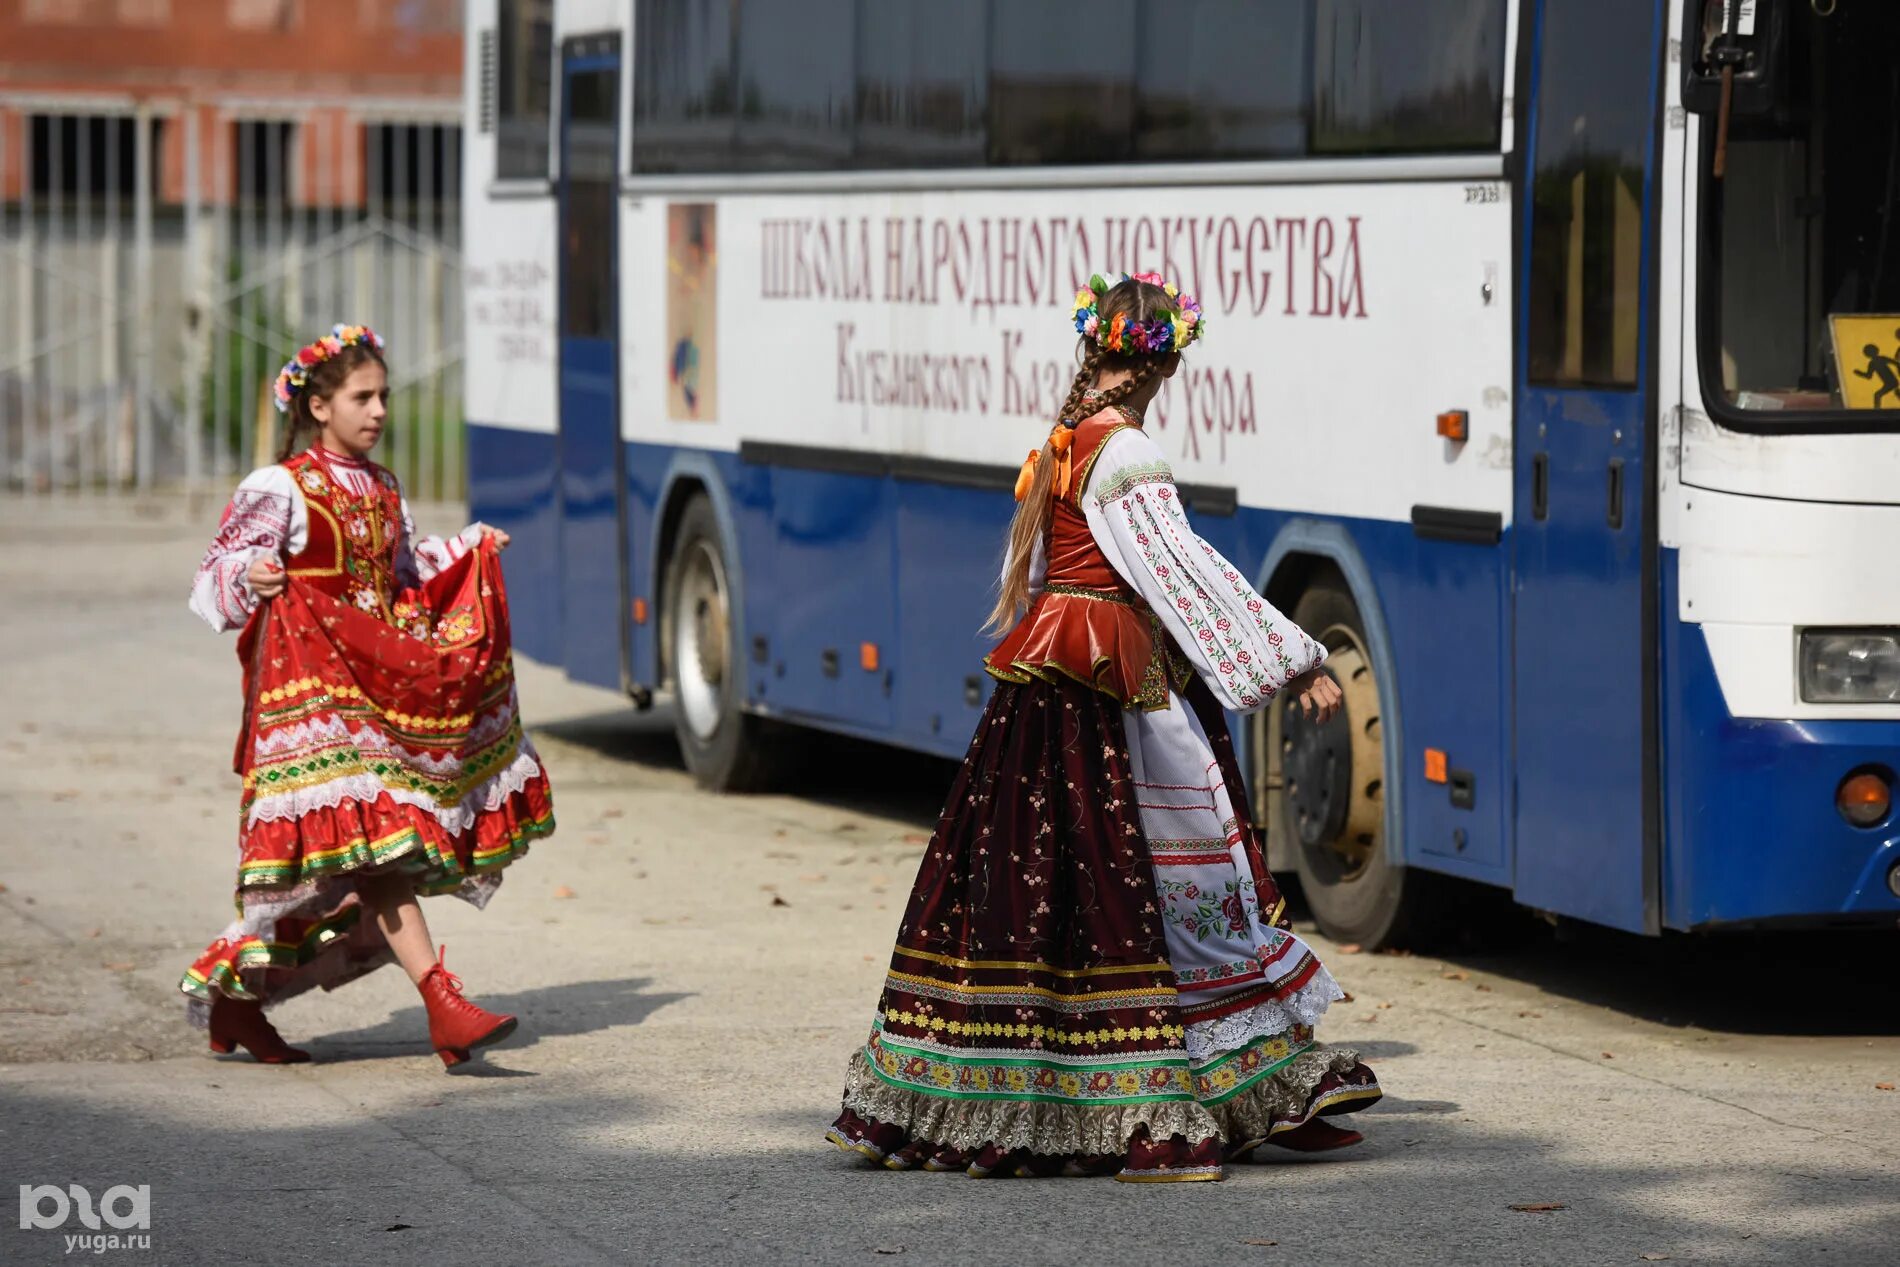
(779, 901)
(120, 967)
(1654, 1257)
(1484, 989)
(1258, 1242)
(613, 813)
(916, 838)
(1883, 1086)
(869, 959)
(1457, 976)
(1385, 1007)
(1534, 1016)
(1540, 1207)
(595, 837)
(1369, 1017)
(778, 831)
(3, 888)
(811, 879)
(1346, 997)
(887, 1249)
(563, 892)
(93, 933)
(1609, 1055)
(845, 827)
(1352, 948)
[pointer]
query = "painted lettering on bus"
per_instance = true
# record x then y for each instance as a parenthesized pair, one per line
(505, 297)
(1311, 266)
(897, 379)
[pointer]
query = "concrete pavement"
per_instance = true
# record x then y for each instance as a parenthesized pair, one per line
(692, 972)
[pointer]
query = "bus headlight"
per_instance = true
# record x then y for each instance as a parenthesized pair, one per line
(1850, 666)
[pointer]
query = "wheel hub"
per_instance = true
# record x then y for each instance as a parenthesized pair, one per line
(1334, 771)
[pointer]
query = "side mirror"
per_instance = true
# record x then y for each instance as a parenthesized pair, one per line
(1741, 41)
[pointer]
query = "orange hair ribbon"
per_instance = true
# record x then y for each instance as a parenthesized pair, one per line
(1060, 439)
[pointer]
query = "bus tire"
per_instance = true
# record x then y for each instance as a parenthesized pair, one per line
(1332, 803)
(724, 747)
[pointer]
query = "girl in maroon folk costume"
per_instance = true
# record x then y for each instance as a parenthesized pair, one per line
(1095, 973)
(382, 749)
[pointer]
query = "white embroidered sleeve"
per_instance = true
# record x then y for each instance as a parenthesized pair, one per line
(421, 558)
(265, 520)
(1243, 649)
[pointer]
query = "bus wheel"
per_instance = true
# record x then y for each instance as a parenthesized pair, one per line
(721, 743)
(1333, 803)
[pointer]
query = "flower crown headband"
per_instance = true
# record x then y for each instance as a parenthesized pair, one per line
(295, 375)
(1169, 330)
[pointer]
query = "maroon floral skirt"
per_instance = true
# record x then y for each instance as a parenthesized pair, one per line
(1030, 1021)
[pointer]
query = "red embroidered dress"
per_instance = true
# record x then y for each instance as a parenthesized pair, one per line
(1095, 972)
(380, 729)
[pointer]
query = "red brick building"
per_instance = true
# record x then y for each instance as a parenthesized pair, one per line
(297, 102)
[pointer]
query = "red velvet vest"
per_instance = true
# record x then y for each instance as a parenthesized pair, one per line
(1086, 624)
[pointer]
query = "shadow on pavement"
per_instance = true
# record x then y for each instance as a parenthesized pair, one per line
(559, 1011)
(479, 1173)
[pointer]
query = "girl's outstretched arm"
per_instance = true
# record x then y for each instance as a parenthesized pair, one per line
(1245, 650)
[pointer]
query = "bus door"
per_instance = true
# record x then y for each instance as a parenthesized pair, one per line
(591, 482)
(1583, 524)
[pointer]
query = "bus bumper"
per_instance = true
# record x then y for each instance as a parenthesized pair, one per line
(1752, 834)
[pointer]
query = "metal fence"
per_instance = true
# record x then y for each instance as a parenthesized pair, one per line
(159, 264)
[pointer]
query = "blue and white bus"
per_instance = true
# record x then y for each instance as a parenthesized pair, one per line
(1553, 379)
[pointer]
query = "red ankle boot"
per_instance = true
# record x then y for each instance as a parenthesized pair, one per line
(241, 1023)
(455, 1024)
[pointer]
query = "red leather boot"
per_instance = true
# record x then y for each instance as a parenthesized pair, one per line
(241, 1023)
(455, 1024)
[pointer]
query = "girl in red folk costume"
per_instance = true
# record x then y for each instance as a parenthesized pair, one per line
(382, 751)
(1095, 973)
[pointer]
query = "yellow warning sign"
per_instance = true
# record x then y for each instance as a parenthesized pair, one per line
(1867, 359)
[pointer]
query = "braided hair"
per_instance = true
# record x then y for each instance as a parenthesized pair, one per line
(1034, 513)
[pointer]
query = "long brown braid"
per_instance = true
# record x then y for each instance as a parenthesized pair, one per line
(326, 377)
(1037, 509)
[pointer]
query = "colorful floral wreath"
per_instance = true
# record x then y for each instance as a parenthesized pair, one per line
(1169, 330)
(295, 375)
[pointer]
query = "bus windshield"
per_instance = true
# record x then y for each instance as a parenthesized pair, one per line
(1802, 258)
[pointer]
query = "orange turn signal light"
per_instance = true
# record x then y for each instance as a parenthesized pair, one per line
(1435, 766)
(1864, 799)
(1454, 424)
(639, 611)
(867, 656)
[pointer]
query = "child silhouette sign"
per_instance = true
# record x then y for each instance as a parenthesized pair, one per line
(1868, 378)
(1885, 368)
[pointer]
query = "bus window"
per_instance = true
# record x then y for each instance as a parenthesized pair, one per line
(683, 86)
(1062, 84)
(1801, 265)
(797, 84)
(923, 86)
(1221, 79)
(1427, 75)
(1593, 125)
(525, 48)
